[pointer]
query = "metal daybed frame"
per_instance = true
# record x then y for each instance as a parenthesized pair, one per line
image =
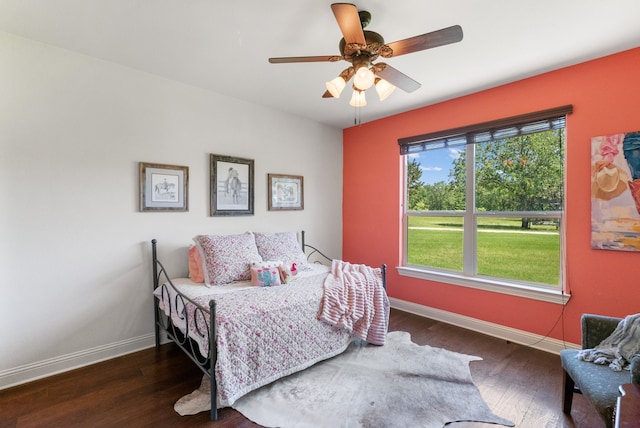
(163, 322)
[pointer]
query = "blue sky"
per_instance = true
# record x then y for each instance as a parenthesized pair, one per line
(437, 163)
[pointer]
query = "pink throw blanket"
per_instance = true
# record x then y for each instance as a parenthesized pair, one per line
(355, 300)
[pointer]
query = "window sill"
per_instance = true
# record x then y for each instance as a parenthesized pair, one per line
(528, 292)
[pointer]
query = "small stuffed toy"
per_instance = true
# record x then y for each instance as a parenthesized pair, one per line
(287, 274)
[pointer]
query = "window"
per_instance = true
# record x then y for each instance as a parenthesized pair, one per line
(485, 205)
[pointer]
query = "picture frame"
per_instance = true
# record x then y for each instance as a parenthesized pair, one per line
(286, 192)
(163, 187)
(232, 191)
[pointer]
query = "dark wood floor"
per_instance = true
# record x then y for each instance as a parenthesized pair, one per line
(139, 390)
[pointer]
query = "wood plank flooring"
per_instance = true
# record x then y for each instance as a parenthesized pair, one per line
(139, 390)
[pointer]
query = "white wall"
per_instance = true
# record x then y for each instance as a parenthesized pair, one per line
(75, 266)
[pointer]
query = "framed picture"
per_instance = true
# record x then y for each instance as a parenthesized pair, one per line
(231, 186)
(286, 192)
(164, 187)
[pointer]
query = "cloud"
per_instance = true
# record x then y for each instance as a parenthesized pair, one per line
(454, 153)
(431, 168)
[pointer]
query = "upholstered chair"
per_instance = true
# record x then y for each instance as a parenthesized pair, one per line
(598, 383)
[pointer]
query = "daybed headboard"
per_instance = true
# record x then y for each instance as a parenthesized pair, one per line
(312, 250)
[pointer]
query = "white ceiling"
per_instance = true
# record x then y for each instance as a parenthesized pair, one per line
(224, 45)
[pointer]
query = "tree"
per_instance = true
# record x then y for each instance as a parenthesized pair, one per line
(415, 187)
(437, 196)
(427, 197)
(523, 173)
(458, 182)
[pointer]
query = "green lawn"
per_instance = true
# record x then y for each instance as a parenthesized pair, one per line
(504, 249)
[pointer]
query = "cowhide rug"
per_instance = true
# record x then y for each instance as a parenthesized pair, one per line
(400, 384)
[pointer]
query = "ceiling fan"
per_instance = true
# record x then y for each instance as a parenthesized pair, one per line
(361, 48)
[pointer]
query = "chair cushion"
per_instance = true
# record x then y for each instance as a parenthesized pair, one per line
(598, 383)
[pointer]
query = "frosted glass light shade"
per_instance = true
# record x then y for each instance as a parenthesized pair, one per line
(358, 99)
(384, 88)
(364, 78)
(336, 86)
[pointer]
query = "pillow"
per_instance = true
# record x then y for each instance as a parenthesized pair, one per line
(282, 246)
(267, 263)
(265, 276)
(195, 265)
(227, 258)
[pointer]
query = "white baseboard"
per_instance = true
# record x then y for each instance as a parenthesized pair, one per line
(51, 366)
(496, 330)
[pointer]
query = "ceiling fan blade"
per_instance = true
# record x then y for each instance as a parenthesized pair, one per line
(349, 22)
(327, 94)
(396, 77)
(430, 40)
(289, 59)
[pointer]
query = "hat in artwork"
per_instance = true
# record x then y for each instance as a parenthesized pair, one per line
(607, 180)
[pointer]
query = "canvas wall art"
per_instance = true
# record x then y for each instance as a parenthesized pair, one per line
(615, 192)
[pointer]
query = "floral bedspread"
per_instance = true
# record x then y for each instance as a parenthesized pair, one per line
(265, 333)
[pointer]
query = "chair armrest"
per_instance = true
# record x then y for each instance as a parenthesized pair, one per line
(635, 369)
(596, 328)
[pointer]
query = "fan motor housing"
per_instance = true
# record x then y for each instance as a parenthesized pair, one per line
(374, 42)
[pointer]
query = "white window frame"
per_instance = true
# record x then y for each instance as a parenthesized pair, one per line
(469, 277)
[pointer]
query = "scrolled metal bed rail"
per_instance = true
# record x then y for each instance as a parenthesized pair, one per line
(314, 250)
(164, 322)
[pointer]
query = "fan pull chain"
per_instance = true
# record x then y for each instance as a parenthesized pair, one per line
(357, 117)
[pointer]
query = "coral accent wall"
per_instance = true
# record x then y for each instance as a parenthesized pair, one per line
(605, 94)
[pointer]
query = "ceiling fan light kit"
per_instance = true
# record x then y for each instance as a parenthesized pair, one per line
(336, 85)
(364, 78)
(383, 88)
(361, 48)
(358, 98)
